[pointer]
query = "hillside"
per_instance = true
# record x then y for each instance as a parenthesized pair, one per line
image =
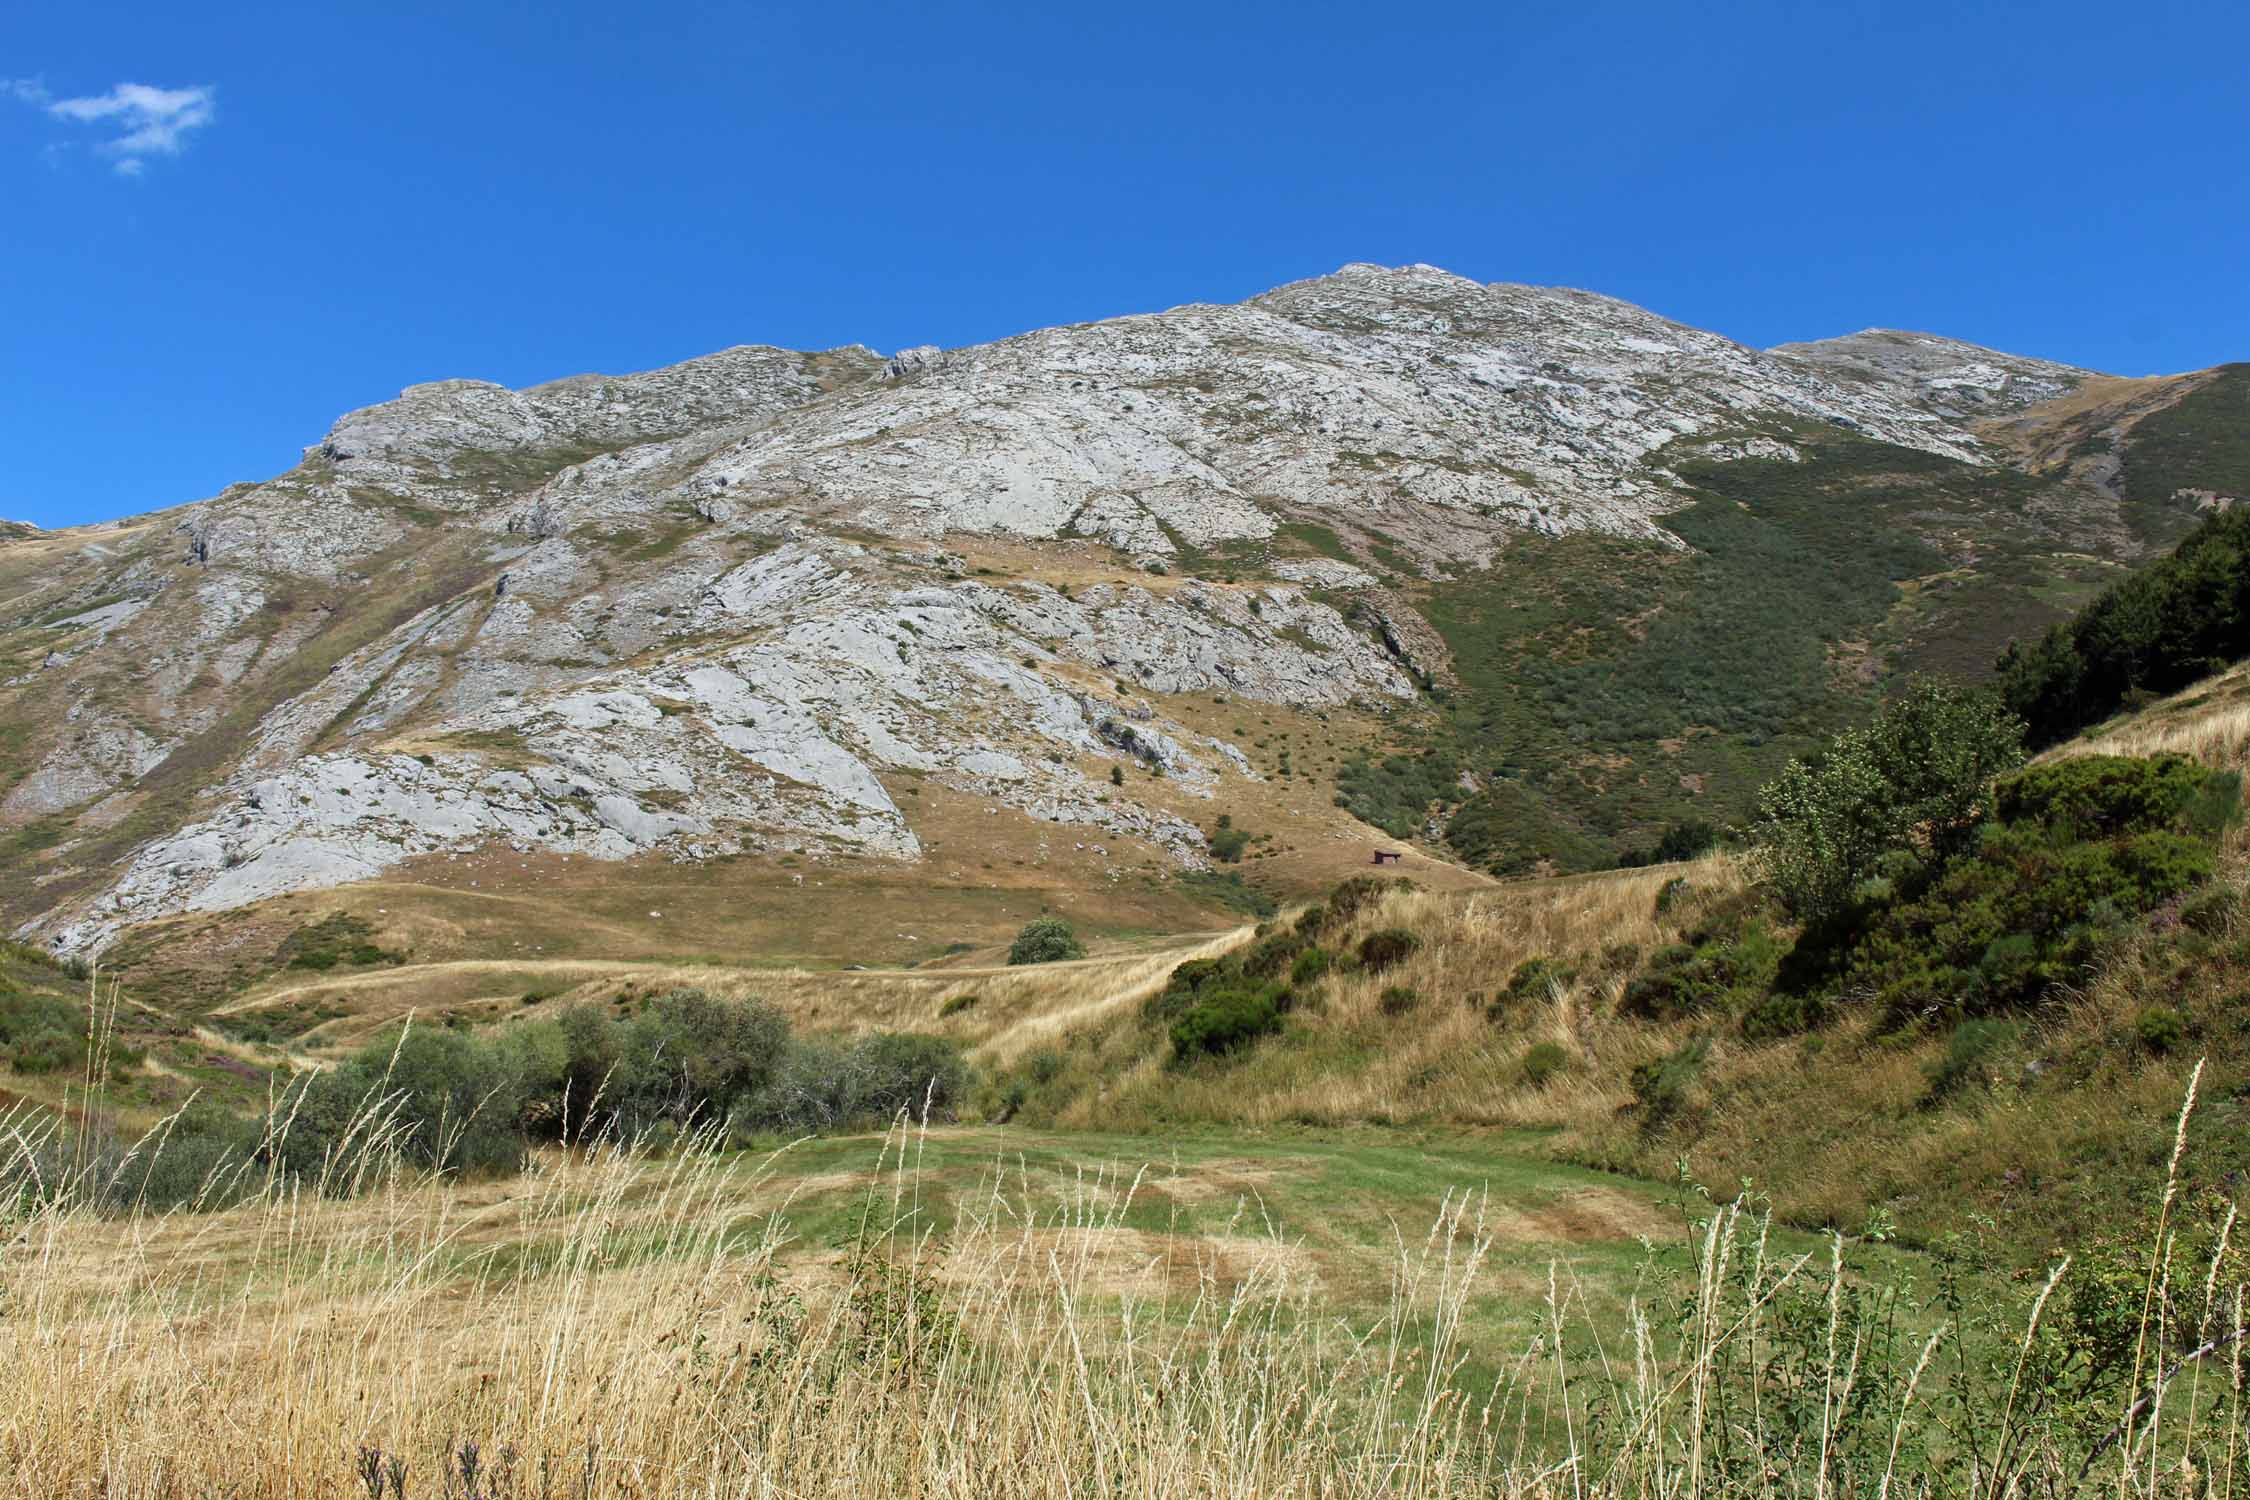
(727, 655)
(1633, 1015)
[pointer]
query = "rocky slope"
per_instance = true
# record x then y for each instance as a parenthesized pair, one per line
(738, 604)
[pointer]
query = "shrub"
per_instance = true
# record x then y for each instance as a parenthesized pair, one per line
(2105, 796)
(1227, 845)
(1398, 999)
(1390, 946)
(1968, 1054)
(1915, 777)
(1116, 775)
(2154, 632)
(957, 1004)
(2160, 1028)
(48, 1051)
(1310, 966)
(1536, 979)
(337, 939)
(1226, 1021)
(1679, 841)
(1542, 1061)
(1045, 940)
(2211, 911)
(1660, 1087)
(1347, 901)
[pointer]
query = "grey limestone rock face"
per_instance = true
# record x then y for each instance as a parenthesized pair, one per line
(1944, 376)
(724, 606)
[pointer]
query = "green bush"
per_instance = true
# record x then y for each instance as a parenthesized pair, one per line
(1226, 1021)
(1310, 966)
(2211, 911)
(338, 939)
(1727, 965)
(2079, 850)
(48, 1051)
(1542, 1061)
(1227, 845)
(957, 1004)
(1398, 999)
(2156, 632)
(2160, 1028)
(1536, 979)
(1679, 841)
(1347, 901)
(1388, 947)
(825, 1083)
(1660, 1087)
(1969, 1051)
(1915, 777)
(1045, 940)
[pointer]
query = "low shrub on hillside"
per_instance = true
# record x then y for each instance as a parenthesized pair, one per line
(1398, 999)
(2156, 632)
(1660, 1086)
(337, 940)
(2160, 1028)
(1970, 1050)
(1228, 1020)
(1385, 948)
(2078, 852)
(450, 1100)
(1347, 901)
(1542, 1061)
(1045, 940)
(1679, 841)
(42, 1033)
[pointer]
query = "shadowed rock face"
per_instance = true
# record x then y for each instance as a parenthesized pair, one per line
(713, 607)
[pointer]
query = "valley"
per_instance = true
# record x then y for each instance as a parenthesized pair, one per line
(1400, 887)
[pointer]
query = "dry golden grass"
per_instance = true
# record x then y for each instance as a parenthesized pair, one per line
(610, 1326)
(1448, 1058)
(1015, 1006)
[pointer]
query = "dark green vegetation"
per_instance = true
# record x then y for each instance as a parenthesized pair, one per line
(2200, 442)
(43, 1020)
(1915, 777)
(340, 939)
(458, 1101)
(1045, 940)
(2167, 626)
(1610, 691)
(2074, 859)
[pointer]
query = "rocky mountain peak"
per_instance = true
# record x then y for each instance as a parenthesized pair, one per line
(1957, 380)
(786, 602)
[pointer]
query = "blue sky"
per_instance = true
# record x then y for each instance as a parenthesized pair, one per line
(307, 207)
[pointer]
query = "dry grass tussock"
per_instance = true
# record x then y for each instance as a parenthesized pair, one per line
(611, 1325)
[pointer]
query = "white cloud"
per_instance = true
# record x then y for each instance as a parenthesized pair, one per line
(149, 121)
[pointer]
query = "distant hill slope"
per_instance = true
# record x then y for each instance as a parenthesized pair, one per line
(1034, 615)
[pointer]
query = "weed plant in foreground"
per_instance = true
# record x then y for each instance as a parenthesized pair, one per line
(618, 1323)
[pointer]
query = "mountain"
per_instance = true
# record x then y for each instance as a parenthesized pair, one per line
(829, 649)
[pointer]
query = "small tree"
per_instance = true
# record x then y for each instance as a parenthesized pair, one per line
(1916, 779)
(1045, 940)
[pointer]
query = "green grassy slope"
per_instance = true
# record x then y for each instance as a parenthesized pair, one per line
(1609, 688)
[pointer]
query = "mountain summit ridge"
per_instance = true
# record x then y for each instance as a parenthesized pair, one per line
(731, 605)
